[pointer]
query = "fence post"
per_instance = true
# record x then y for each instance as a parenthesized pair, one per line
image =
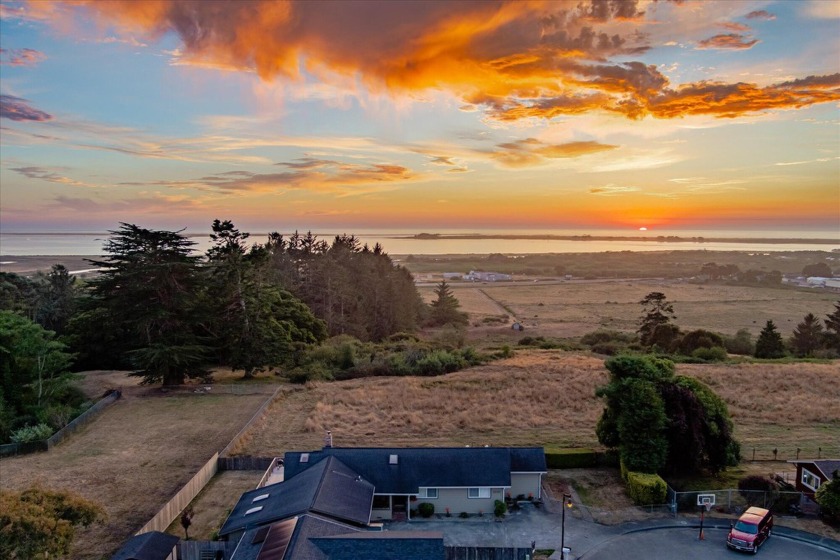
(797, 453)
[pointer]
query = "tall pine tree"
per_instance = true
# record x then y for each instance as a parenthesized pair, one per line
(769, 344)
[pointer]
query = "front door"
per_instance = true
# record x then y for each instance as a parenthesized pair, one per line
(399, 508)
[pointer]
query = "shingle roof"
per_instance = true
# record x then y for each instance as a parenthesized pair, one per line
(388, 545)
(436, 467)
(826, 466)
(147, 546)
(329, 488)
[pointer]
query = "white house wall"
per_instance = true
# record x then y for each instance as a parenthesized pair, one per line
(457, 501)
(526, 484)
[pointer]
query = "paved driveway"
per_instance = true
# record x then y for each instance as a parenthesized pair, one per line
(667, 544)
(663, 539)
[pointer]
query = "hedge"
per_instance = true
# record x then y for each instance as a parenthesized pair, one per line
(646, 489)
(556, 458)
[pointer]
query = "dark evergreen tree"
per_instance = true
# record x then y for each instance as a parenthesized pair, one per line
(256, 324)
(808, 336)
(769, 344)
(56, 296)
(832, 328)
(355, 290)
(146, 298)
(444, 308)
(657, 311)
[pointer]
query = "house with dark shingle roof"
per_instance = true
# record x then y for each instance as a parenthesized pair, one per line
(329, 489)
(813, 473)
(460, 479)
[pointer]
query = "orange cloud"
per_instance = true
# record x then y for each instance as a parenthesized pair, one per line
(21, 57)
(730, 41)
(531, 151)
(515, 59)
(306, 174)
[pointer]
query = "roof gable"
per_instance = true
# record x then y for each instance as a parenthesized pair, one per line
(328, 487)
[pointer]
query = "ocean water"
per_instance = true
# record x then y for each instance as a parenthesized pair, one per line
(401, 242)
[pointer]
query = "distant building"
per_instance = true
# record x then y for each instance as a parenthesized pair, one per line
(479, 276)
(452, 275)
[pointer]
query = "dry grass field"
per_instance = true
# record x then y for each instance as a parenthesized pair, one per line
(544, 397)
(573, 308)
(134, 456)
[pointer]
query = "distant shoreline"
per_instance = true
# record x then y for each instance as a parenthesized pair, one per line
(657, 239)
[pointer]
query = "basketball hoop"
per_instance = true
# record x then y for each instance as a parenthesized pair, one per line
(705, 501)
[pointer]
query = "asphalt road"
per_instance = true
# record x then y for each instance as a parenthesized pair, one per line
(683, 544)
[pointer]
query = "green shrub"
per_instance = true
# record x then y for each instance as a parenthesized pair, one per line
(426, 509)
(646, 489)
(713, 354)
(38, 432)
(571, 458)
(499, 508)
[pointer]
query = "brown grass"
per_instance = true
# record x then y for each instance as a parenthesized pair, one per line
(571, 309)
(134, 457)
(545, 398)
(210, 507)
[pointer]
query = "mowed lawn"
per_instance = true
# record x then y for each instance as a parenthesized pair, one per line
(134, 457)
(571, 309)
(543, 397)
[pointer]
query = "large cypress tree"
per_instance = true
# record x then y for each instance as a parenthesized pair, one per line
(145, 302)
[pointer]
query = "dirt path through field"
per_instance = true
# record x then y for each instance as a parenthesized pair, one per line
(502, 309)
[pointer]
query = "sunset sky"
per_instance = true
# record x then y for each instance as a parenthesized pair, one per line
(420, 115)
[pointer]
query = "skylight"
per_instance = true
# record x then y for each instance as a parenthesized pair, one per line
(304, 457)
(260, 497)
(393, 459)
(253, 510)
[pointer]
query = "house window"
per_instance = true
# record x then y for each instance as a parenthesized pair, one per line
(430, 493)
(810, 480)
(478, 493)
(381, 502)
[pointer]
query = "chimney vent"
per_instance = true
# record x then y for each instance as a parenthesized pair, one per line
(328, 441)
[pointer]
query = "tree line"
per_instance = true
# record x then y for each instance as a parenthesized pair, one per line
(657, 332)
(167, 314)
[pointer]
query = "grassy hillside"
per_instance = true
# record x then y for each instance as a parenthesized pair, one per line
(545, 398)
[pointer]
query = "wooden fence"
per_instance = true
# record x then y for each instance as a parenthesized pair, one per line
(486, 553)
(182, 499)
(234, 443)
(77, 423)
(789, 452)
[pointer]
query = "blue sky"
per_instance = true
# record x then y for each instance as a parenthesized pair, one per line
(425, 115)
